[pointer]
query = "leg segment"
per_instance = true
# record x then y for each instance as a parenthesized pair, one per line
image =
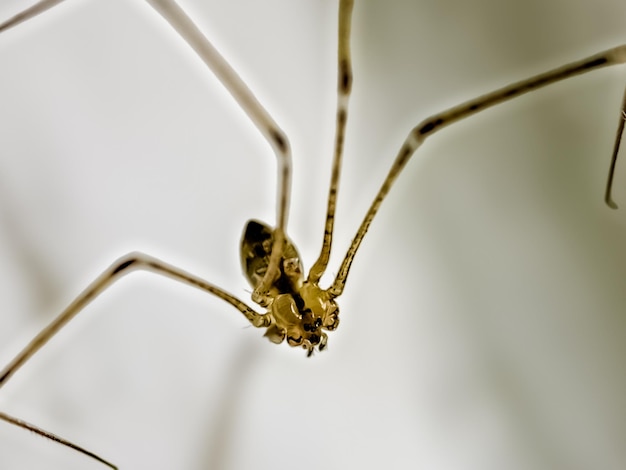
(29, 13)
(259, 116)
(344, 87)
(53, 437)
(126, 264)
(618, 138)
(277, 139)
(434, 123)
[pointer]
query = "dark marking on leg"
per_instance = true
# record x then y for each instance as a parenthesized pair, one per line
(345, 82)
(123, 266)
(279, 140)
(430, 126)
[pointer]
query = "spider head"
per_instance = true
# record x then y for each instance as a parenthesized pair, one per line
(300, 326)
(309, 339)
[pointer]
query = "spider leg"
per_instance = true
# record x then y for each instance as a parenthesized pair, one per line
(53, 437)
(259, 116)
(125, 265)
(29, 13)
(344, 87)
(131, 262)
(618, 139)
(174, 15)
(429, 126)
(277, 139)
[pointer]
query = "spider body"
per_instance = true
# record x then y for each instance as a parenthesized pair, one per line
(299, 309)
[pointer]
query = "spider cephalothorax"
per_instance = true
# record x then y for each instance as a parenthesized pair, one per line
(299, 309)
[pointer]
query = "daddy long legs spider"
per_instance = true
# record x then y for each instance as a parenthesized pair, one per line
(375, 369)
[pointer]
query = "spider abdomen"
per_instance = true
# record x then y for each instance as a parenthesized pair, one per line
(256, 248)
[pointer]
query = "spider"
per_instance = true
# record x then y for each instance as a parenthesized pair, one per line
(304, 312)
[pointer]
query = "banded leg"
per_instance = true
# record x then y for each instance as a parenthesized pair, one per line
(259, 116)
(126, 264)
(344, 88)
(429, 126)
(618, 138)
(53, 437)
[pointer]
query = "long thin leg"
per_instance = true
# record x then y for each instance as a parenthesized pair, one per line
(126, 264)
(618, 139)
(27, 14)
(174, 15)
(344, 87)
(277, 139)
(437, 122)
(53, 437)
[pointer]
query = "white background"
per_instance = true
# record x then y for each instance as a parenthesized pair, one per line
(483, 324)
